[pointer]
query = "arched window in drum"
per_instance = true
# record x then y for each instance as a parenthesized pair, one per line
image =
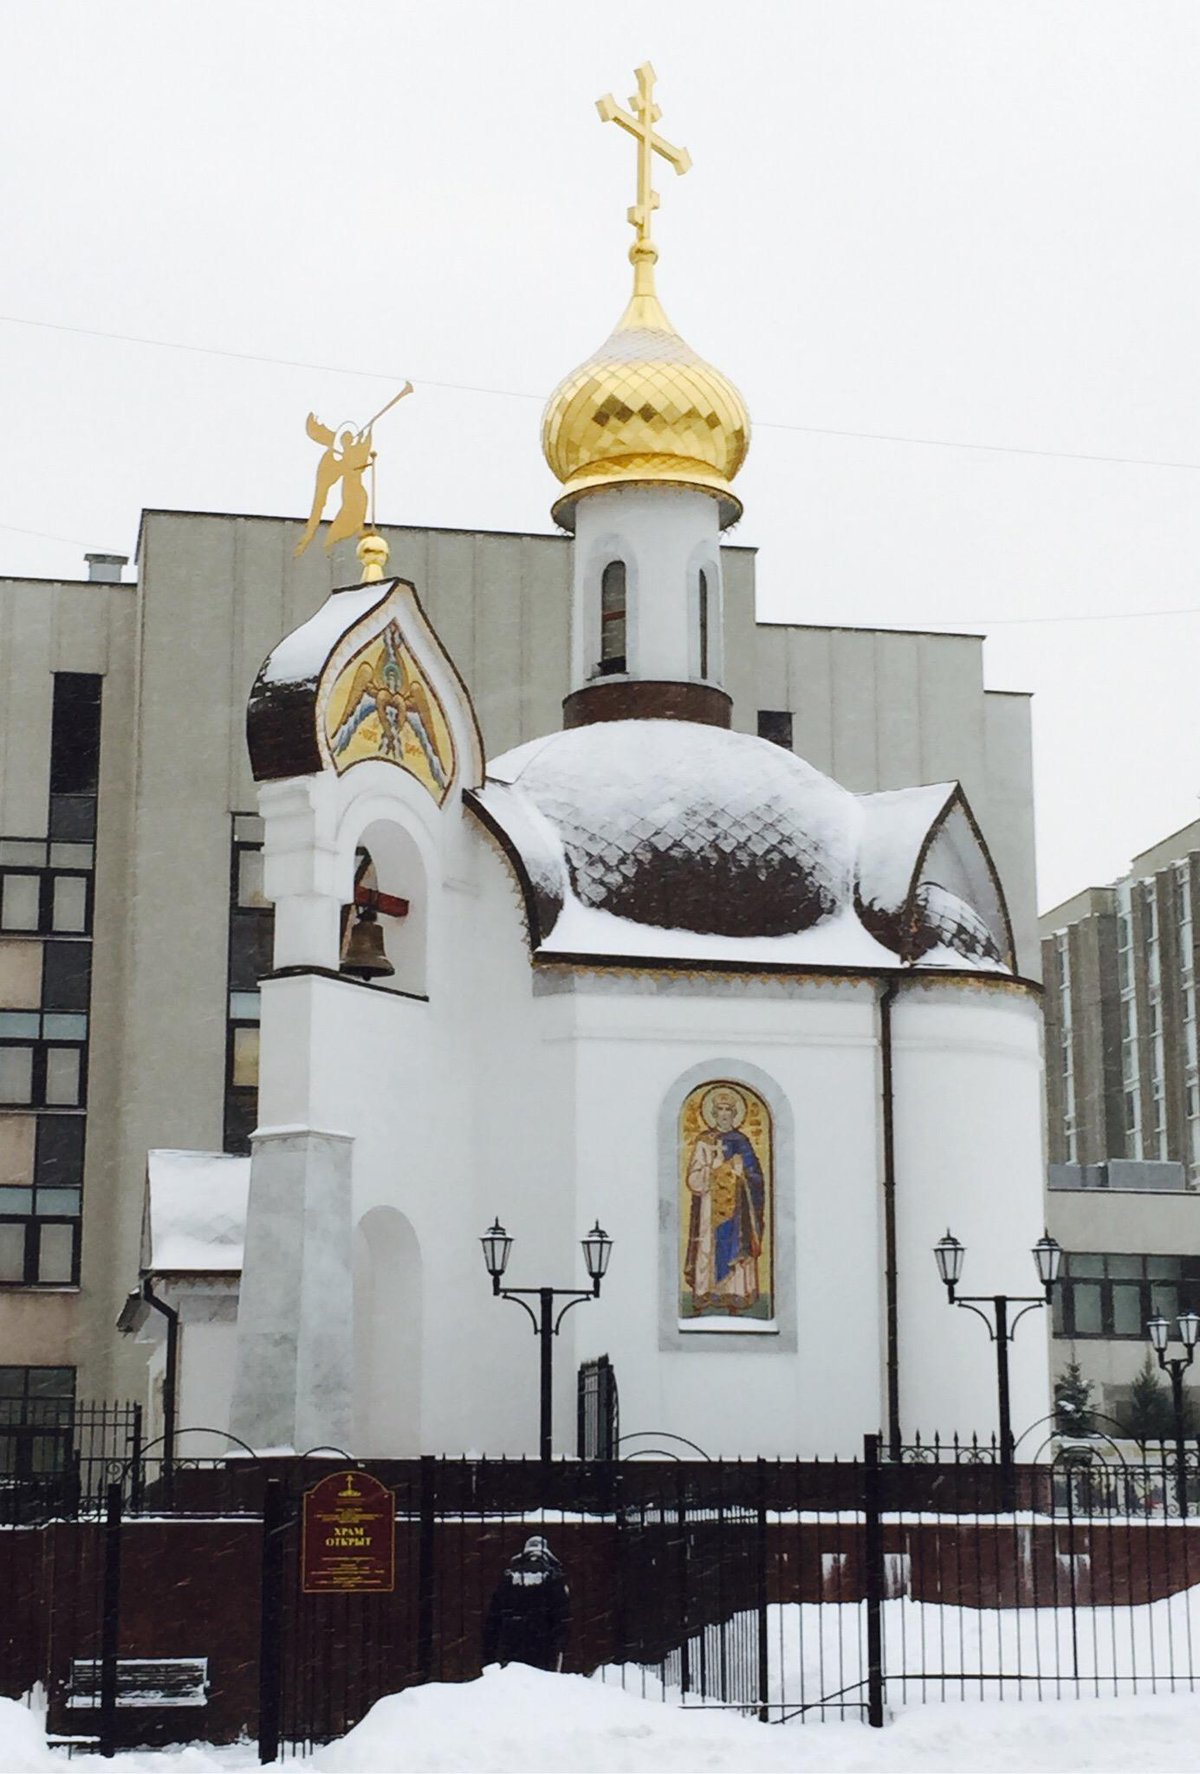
(612, 619)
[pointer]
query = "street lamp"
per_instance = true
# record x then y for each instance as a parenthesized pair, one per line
(497, 1248)
(1159, 1332)
(949, 1255)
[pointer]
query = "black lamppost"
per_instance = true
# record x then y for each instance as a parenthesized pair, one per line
(1047, 1255)
(497, 1247)
(1159, 1333)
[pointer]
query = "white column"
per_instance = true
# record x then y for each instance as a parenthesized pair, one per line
(300, 869)
(294, 1384)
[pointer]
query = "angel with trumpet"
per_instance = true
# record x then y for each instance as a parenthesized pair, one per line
(347, 458)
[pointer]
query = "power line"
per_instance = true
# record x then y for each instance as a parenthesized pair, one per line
(893, 437)
(1103, 616)
(49, 536)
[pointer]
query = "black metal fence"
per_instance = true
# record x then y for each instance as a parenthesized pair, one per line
(57, 1455)
(787, 1590)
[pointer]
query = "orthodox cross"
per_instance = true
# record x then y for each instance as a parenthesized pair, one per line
(639, 122)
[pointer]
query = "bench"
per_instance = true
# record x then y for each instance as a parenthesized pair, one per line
(141, 1682)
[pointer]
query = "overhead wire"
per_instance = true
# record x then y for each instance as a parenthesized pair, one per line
(293, 363)
(525, 394)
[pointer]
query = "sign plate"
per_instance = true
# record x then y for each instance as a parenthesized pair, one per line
(349, 1536)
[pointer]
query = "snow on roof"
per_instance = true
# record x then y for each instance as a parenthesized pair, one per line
(837, 941)
(301, 654)
(196, 1211)
(896, 824)
(679, 841)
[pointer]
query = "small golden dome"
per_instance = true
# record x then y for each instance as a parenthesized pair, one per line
(645, 410)
(372, 552)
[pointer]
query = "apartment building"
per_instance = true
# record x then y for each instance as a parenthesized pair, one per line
(1123, 1108)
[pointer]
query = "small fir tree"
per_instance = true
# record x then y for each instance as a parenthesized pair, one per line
(1072, 1396)
(1147, 1416)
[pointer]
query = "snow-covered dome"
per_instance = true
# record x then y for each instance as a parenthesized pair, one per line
(673, 838)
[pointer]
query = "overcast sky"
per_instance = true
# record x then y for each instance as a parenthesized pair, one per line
(968, 222)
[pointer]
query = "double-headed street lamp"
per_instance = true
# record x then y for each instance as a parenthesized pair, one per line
(497, 1248)
(1159, 1332)
(1047, 1256)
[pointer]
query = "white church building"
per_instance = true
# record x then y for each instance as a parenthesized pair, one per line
(645, 971)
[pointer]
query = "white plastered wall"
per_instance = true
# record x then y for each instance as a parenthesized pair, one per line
(969, 1157)
(664, 536)
(736, 1393)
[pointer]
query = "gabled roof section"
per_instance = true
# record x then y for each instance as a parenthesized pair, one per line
(195, 1218)
(366, 678)
(927, 887)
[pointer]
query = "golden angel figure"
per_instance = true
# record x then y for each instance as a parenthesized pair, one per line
(349, 467)
(347, 459)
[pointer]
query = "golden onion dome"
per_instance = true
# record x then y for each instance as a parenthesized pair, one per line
(645, 410)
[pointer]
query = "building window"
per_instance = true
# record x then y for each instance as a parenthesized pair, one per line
(251, 941)
(704, 618)
(1113, 1295)
(775, 724)
(45, 889)
(75, 756)
(612, 619)
(46, 893)
(43, 1059)
(1154, 1128)
(41, 1197)
(37, 1414)
(1062, 955)
(1130, 1071)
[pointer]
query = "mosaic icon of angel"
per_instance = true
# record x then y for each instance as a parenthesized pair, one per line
(384, 686)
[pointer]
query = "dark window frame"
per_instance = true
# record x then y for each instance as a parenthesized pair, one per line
(1184, 1286)
(240, 1100)
(34, 1225)
(773, 723)
(30, 1419)
(46, 874)
(41, 1046)
(48, 1175)
(614, 639)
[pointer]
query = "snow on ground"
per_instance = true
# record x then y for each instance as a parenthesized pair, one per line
(522, 1721)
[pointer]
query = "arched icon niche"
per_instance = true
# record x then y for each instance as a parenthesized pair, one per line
(726, 1205)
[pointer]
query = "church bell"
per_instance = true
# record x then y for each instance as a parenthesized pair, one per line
(365, 955)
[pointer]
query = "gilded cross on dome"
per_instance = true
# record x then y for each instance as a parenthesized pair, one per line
(639, 122)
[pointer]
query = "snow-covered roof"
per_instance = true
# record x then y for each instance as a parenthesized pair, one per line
(196, 1212)
(676, 840)
(300, 655)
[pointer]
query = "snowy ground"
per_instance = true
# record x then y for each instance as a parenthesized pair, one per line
(521, 1721)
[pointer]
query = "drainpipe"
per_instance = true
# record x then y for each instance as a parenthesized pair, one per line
(170, 1378)
(887, 998)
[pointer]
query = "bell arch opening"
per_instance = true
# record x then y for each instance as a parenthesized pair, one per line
(386, 924)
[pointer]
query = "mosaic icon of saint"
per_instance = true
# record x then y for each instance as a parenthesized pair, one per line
(728, 1196)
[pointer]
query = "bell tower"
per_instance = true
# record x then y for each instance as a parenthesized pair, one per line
(646, 438)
